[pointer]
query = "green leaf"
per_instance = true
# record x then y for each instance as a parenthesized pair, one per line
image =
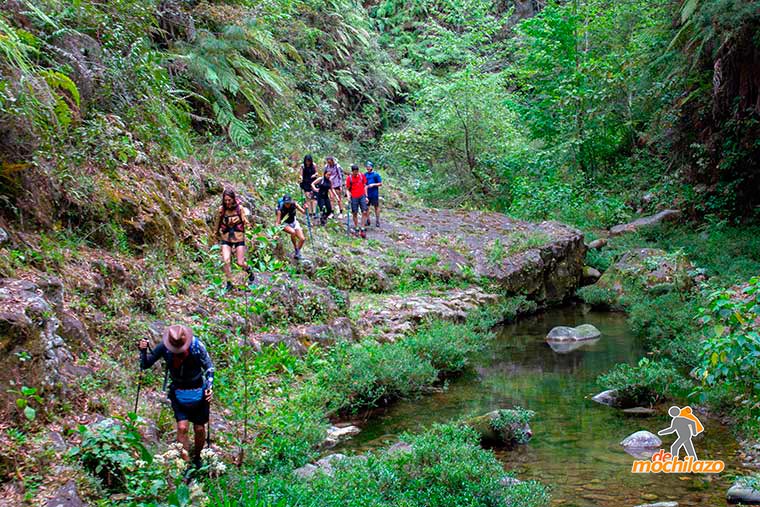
(30, 413)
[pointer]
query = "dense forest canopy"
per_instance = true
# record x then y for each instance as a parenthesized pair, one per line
(538, 106)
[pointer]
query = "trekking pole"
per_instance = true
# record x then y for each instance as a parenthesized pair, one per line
(348, 225)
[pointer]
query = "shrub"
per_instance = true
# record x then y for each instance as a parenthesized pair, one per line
(109, 449)
(730, 355)
(370, 373)
(447, 347)
(599, 297)
(443, 467)
(514, 422)
(646, 383)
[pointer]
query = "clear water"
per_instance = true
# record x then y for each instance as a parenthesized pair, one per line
(575, 447)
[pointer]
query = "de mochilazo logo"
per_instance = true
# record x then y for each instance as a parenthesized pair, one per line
(686, 426)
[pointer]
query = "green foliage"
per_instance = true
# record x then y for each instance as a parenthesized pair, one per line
(444, 466)
(731, 348)
(447, 348)
(109, 450)
(647, 383)
(599, 297)
(514, 422)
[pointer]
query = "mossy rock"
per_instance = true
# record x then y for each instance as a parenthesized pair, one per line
(504, 427)
(647, 270)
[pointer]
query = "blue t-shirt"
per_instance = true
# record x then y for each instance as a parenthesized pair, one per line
(373, 178)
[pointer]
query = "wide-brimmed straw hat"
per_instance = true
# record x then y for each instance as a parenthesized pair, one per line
(177, 338)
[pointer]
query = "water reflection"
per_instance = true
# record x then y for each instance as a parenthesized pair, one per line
(576, 444)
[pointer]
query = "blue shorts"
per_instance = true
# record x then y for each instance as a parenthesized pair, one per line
(357, 202)
(197, 414)
(374, 201)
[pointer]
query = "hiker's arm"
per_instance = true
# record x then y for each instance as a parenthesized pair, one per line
(208, 366)
(379, 182)
(246, 214)
(148, 359)
(279, 217)
(299, 208)
(314, 185)
(218, 229)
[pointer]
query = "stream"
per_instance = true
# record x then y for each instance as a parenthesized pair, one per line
(575, 447)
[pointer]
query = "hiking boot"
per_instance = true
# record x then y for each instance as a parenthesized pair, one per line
(251, 278)
(377, 223)
(367, 224)
(297, 254)
(363, 233)
(229, 287)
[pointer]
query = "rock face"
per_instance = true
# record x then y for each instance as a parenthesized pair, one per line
(32, 350)
(580, 333)
(668, 215)
(66, 496)
(299, 299)
(543, 261)
(741, 493)
(397, 316)
(503, 427)
(647, 269)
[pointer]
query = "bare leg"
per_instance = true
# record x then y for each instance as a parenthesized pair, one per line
(226, 255)
(240, 254)
(301, 238)
(183, 438)
(293, 236)
(199, 437)
(377, 214)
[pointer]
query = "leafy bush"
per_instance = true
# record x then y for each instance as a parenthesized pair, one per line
(447, 347)
(647, 383)
(599, 297)
(443, 467)
(730, 355)
(667, 325)
(365, 374)
(514, 422)
(109, 450)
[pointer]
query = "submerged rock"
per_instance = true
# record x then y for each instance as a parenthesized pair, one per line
(565, 347)
(640, 411)
(659, 504)
(565, 333)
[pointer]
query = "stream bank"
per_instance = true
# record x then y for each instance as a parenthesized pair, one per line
(575, 446)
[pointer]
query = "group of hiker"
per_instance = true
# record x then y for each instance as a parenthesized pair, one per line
(187, 361)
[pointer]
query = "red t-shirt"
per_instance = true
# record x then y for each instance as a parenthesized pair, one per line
(356, 185)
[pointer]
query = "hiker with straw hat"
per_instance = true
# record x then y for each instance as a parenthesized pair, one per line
(192, 377)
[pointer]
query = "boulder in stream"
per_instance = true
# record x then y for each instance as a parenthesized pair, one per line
(742, 493)
(580, 333)
(610, 397)
(642, 444)
(505, 427)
